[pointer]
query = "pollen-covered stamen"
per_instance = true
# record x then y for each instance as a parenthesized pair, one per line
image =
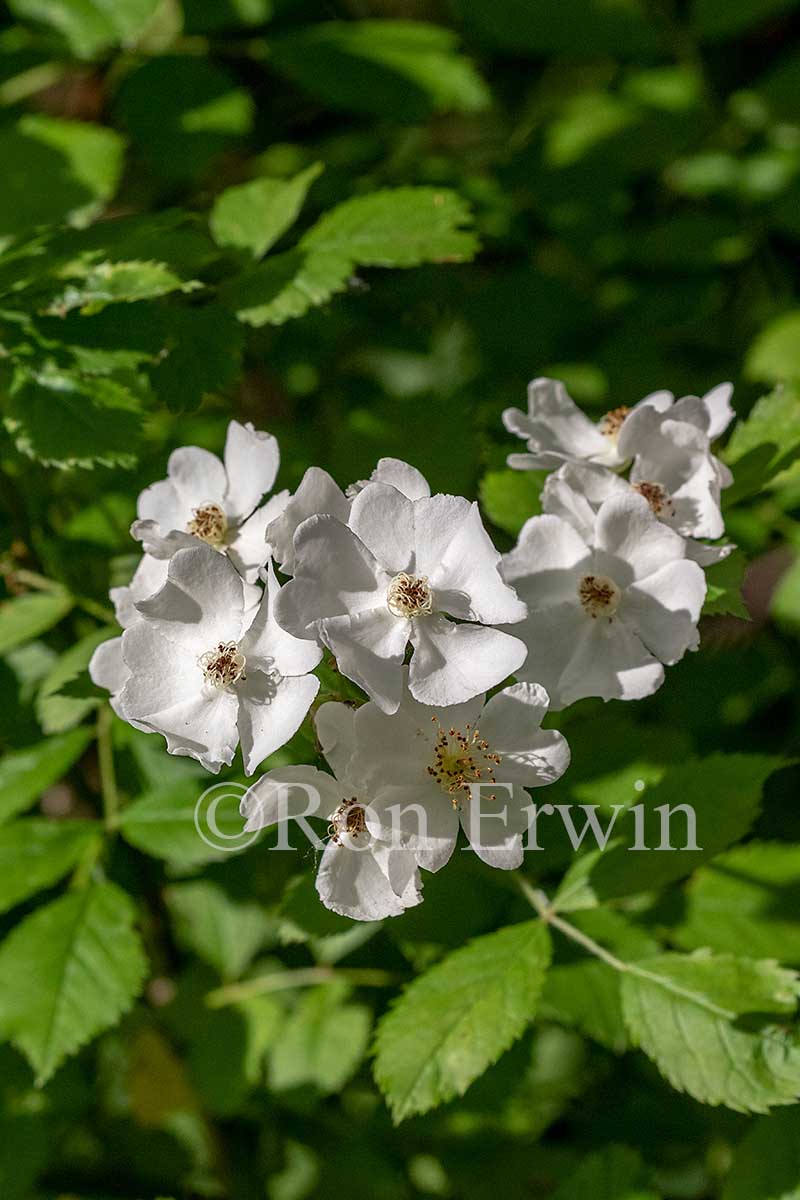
(409, 596)
(208, 523)
(224, 665)
(657, 497)
(599, 596)
(349, 819)
(460, 759)
(611, 423)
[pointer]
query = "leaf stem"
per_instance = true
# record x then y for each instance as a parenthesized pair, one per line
(540, 901)
(41, 583)
(108, 777)
(279, 981)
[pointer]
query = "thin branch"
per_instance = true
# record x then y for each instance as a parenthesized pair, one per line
(279, 981)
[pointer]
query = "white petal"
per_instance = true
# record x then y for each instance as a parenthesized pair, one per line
(576, 490)
(510, 723)
(720, 410)
(547, 562)
(405, 478)
(334, 723)
(268, 647)
(107, 667)
(271, 710)
(335, 574)
(707, 556)
(249, 549)
(400, 868)
(437, 521)
(467, 582)
(167, 692)
(383, 518)
(198, 477)
(252, 459)
(149, 576)
(532, 462)
(557, 429)
(495, 827)
(162, 504)
(665, 608)
(550, 635)
(351, 883)
(288, 792)
(631, 541)
(317, 494)
(610, 661)
(158, 544)
(202, 602)
(418, 817)
(451, 663)
(369, 648)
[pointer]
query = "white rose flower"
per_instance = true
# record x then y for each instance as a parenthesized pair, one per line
(576, 490)
(204, 499)
(206, 672)
(420, 768)
(671, 451)
(606, 611)
(319, 494)
(389, 576)
(360, 876)
(557, 431)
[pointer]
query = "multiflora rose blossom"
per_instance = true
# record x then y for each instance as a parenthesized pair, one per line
(207, 671)
(397, 572)
(605, 611)
(360, 876)
(429, 771)
(576, 491)
(557, 431)
(214, 502)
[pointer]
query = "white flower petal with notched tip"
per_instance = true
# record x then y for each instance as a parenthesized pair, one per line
(198, 484)
(605, 613)
(420, 766)
(394, 574)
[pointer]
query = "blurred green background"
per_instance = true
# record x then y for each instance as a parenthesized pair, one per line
(633, 168)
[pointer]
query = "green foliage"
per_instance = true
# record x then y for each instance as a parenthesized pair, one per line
(35, 854)
(616, 1173)
(225, 933)
(682, 1011)
(89, 26)
(253, 216)
(25, 774)
(67, 972)
(321, 1044)
(767, 1162)
(457, 1018)
(724, 582)
(25, 617)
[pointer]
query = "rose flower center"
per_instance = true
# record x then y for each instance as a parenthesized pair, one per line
(409, 596)
(599, 596)
(209, 524)
(460, 759)
(223, 666)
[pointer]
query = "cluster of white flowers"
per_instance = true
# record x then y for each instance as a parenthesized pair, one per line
(416, 606)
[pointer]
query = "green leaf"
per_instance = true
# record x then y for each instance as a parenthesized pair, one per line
(747, 897)
(682, 1012)
(24, 618)
(58, 171)
(401, 69)
(68, 972)
(724, 582)
(620, 27)
(586, 993)
(766, 443)
(716, 20)
(55, 711)
(64, 420)
(457, 1018)
(724, 790)
(224, 932)
(205, 356)
(35, 854)
(509, 497)
(766, 1164)
(286, 286)
(774, 356)
(162, 823)
(254, 215)
(614, 1173)
(396, 227)
(90, 26)
(26, 774)
(322, 1044)
(94, 285)
(785, 605)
